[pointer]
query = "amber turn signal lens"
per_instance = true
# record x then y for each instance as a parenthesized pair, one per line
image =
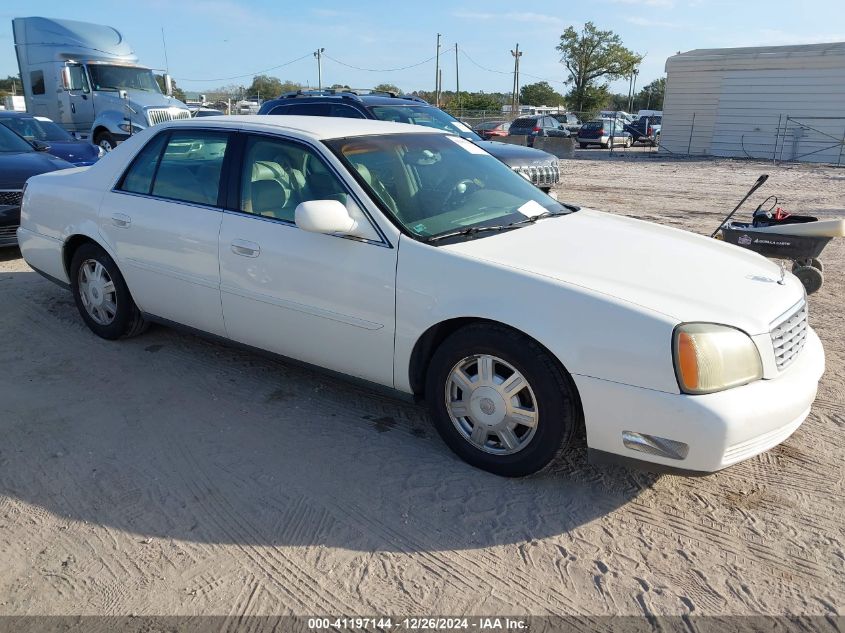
(687, 362)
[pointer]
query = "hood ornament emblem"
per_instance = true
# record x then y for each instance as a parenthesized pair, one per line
(782, 279)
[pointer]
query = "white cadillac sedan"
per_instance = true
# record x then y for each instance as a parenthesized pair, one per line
(410, 258)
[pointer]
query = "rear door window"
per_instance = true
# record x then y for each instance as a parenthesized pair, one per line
(344, 111)
(139, 176)
(190, 168)
(310, 109)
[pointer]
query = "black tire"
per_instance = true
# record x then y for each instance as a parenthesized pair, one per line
(811, 277)
(105, 140)
(127, 321)
(583, 145)
(557, 404)
(810, 261)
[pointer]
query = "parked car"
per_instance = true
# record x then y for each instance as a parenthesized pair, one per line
(491, 129)
(569, 121)
(49, 137)
(537, 125)
(18, 161)
(646, 129)
(202, 112)
(603, 132)
(411, 258)
(540, 167)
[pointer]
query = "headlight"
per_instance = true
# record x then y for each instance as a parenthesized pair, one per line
(710, 357)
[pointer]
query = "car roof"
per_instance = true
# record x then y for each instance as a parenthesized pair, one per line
(12, 114)
(313, 127)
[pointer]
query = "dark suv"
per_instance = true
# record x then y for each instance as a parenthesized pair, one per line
(541, 168)
(537, 125)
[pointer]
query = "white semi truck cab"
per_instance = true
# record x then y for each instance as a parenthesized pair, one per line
(86, 78)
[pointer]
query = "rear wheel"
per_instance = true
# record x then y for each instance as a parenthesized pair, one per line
(811, 277)
(500, 401)
(582, 145)
(101, 295)
(628, 141)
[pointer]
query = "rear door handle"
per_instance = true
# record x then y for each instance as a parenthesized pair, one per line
(121, 219)
(245, 248)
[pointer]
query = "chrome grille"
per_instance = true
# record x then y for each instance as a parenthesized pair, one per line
(540, 175)
(789, 333)
(160, 115)
(10, 197)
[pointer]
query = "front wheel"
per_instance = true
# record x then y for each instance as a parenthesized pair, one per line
(500, 401)
(582, 145)
(105, 140)
(811, 277)
(101, 295)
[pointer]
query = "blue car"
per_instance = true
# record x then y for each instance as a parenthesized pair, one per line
(45, 135)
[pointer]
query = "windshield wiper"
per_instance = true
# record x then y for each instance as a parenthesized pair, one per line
(473, 230)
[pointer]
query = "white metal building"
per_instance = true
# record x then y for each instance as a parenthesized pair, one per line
(774, 102)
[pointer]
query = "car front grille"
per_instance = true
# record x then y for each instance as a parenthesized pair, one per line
(540, 175)
(10, 197)
(160, 115)
(789, 333)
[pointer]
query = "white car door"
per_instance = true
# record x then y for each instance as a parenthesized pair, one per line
(162, 221)
(322, 299)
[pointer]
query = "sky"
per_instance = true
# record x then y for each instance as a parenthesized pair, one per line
(212, 43)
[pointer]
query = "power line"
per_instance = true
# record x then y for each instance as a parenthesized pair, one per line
(379, 70)
(257, 72)
(509, 72)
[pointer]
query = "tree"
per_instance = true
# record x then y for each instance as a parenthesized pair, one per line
(178, 93)
(478, 101)
(540, 94)
(651, 97)
(590, 55)
(388, 88)
(265, 87)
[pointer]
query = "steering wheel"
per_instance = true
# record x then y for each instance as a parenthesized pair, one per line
(458, 191)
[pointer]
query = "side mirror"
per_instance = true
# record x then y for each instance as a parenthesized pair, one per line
(168, 86)
(40, 146)
(324, 216)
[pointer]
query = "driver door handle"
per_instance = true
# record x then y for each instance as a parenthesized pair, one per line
(245, 248)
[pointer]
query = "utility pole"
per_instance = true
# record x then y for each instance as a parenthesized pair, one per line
(437, 74)
(319, 55)
(515, 102)
(457, 80)
(633, 90)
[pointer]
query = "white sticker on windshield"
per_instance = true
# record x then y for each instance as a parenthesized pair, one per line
(467, 145)
(461, 126)
(531, 208)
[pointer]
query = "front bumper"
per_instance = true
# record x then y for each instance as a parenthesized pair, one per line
(720, 428)
(10, 217)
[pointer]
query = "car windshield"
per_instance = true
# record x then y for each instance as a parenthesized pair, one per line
(33, 129)
(106, 77)
(11, 142)
(424, 115)
(435, 184)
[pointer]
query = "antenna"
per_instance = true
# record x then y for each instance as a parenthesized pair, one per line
(164, 43)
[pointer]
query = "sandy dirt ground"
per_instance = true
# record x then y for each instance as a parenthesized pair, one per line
(171, 475)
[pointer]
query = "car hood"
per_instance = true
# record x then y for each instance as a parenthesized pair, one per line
(516, 154)
(685, 276)
(75, 152)
(16, 167)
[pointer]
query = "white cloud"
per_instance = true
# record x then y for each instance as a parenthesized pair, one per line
(522, 16)
(666, 4)
(640, 21)
(777, 37)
